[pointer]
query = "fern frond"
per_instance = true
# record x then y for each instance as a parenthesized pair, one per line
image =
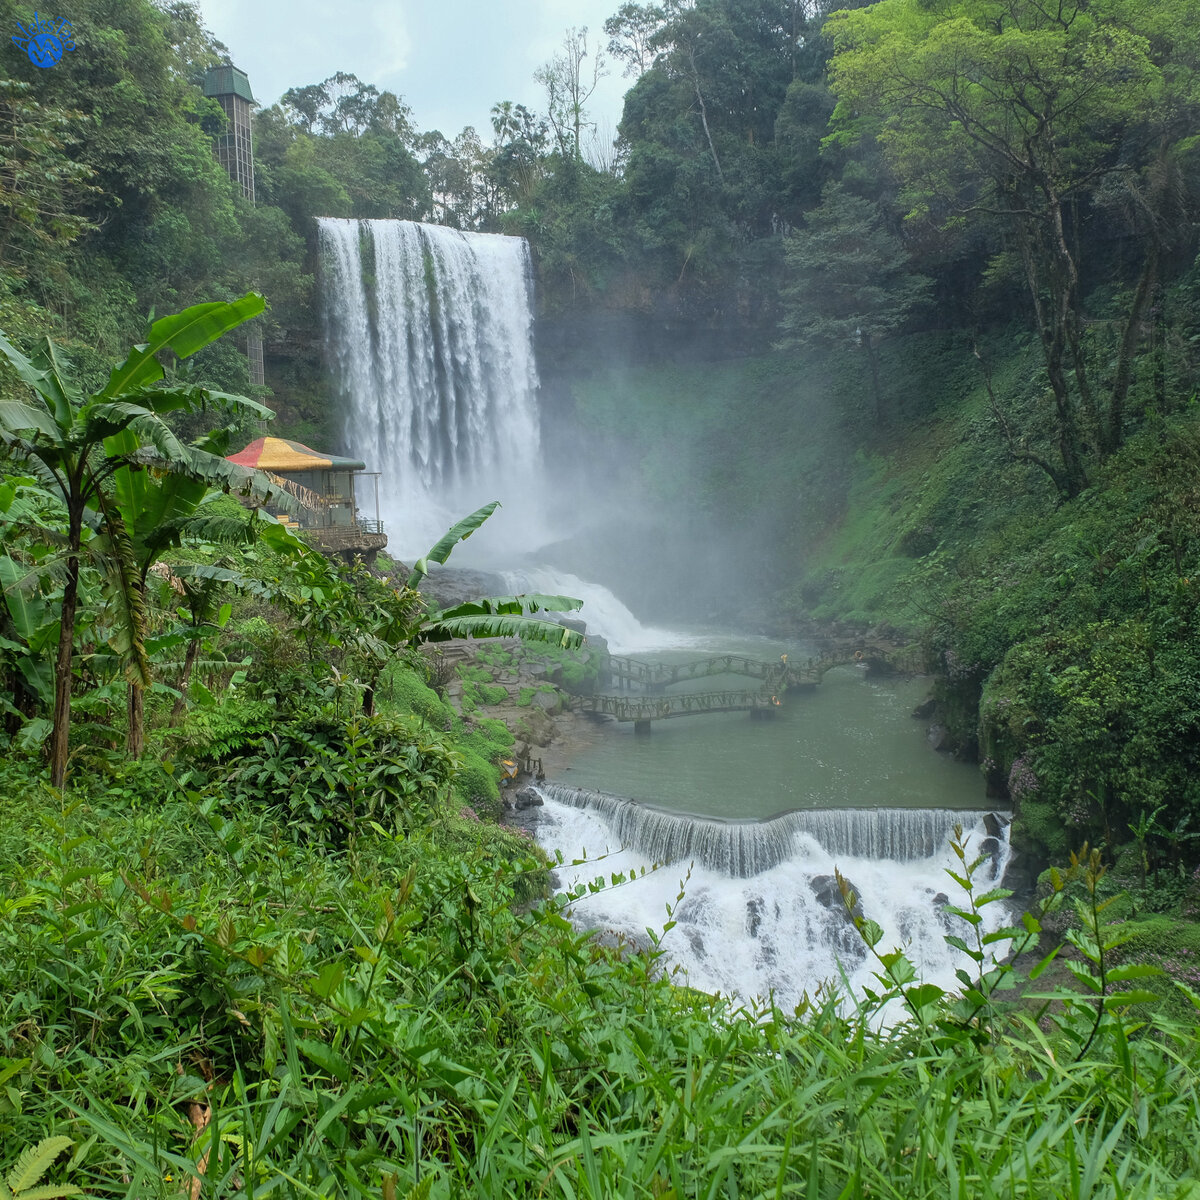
(49, 1191)
(34, 1162)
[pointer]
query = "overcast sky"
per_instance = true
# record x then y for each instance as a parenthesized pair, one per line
(451, 60)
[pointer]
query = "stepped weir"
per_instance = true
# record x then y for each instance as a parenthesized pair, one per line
(741, 849)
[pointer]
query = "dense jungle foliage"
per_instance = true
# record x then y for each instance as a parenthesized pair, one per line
(893, 310)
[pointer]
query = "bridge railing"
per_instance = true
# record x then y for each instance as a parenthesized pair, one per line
(657, 708)
(665, 674)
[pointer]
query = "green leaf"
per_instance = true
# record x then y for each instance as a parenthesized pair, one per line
(20, 418)
(1000, 935)
(1134, 971)
(1083, 973)
(49, 1191)
(328, 1059)
(455, 534)
(529, 629)
(1037, 969)
(510, 605)
(34, 1161)
(923, 994)
(1134, 996)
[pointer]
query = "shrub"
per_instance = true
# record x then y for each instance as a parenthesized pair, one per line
(324, 779)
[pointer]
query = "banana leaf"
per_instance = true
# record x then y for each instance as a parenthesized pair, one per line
(510, 606)
(455, 534)
(182, 333)
(528, 629)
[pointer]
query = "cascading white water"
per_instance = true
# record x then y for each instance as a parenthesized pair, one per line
(761, 912)
(605, 615)
(430, 342)
(745, 848)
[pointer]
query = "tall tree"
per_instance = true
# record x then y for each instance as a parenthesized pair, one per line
(1017, 111)
(849, 281)
(569, 85)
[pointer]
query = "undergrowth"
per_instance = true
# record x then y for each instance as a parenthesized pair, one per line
(202, 1003)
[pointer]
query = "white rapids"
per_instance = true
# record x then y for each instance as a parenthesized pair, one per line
(761, 914)
(606, 616)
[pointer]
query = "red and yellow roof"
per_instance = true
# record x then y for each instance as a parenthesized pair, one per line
(282, 454)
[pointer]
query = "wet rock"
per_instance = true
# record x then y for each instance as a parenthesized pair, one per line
(990, 846)
(827, 893)
(527, 797)
(995, 824)
(693, 909)
(1022, 882)
(548, 702)
(754, 915)
(696, 942)
(839, 926)
(536, 727)
(925, 709)
(621, 940)
(448, 586)
(939, 738)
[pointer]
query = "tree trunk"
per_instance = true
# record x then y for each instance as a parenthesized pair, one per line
(135, 737)
(61, 733)
(189, 661)
(704, 117)
(1052, 330)
(1113, 427)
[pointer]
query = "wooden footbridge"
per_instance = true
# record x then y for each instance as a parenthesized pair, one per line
(641, 686)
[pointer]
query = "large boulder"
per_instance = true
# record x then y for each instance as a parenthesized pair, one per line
(536, 727)
(549, 702)
(527, 797)
(939, 739)
(447, 586)
(827, 894)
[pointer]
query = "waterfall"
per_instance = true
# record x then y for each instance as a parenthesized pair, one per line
(761, 911)
(430, 347)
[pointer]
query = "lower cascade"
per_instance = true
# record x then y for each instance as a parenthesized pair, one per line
(604, 614)
(761, 912)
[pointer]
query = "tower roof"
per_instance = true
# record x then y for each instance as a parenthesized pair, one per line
(226, 81)
(282, 454)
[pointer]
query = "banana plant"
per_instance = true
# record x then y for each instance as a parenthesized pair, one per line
(494, 616)
(77, 442)
(29, 524)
